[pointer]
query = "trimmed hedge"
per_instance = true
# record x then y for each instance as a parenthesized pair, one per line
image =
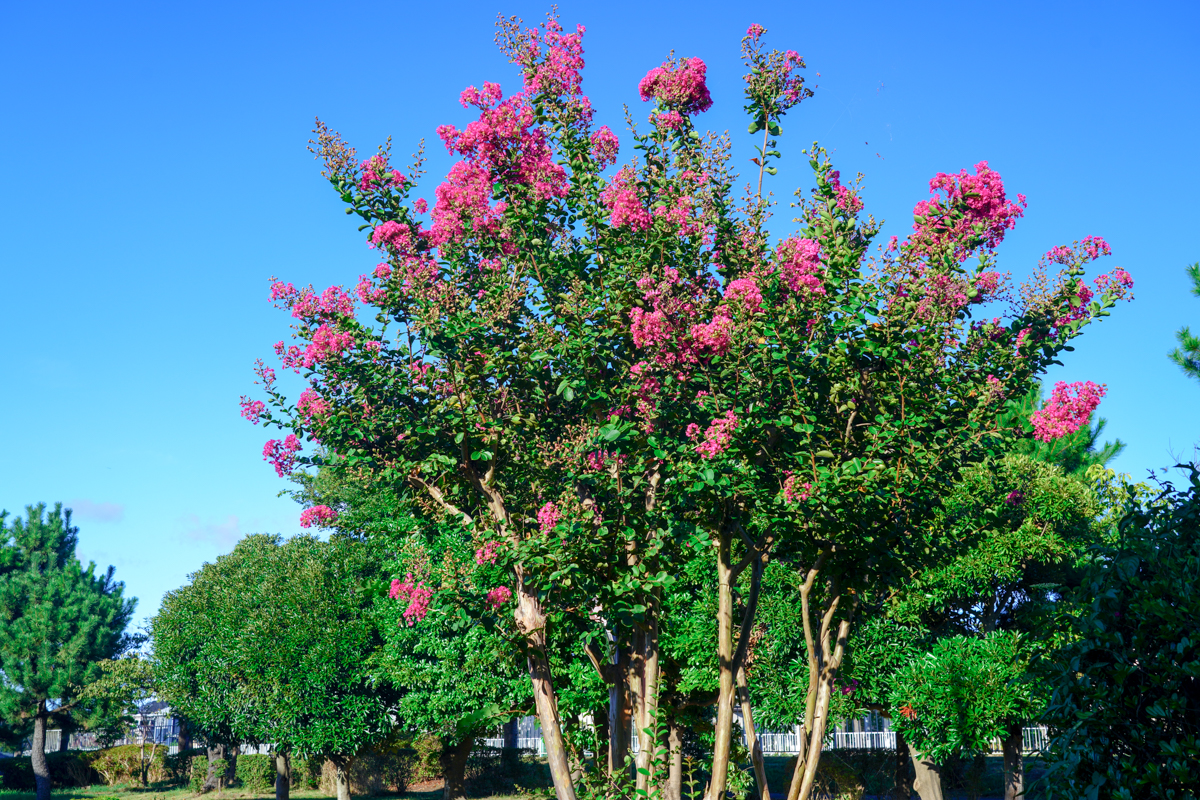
(70, 769)
(256, 773)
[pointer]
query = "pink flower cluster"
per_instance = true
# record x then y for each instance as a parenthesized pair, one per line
(755, 31)
(253, 410)
(311, 405)
(1118, 284)
(334, 301)
(943, 296)
(986, 212)
(744, 292)
(503, 144)
(678, 86)
(794, 491)
(548, 517)
(622, 199)
(417, 595)
(498, 597)
(282, 454)
(376, 172)
(558, 73)
(1079, 253)
(847, 200)
(318, 515)
(1082, 296)
(487, 553)
(1068, 409)
(326, 343)
(800, 266)
(719, 436)
(598, 460)
(605, 147)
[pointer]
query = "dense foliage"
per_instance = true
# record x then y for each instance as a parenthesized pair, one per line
(1126, 703)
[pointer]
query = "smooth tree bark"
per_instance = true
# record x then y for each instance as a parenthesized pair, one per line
(37, 755)
(283, 776)
(341, 775)
(1014, 763)
(928, 783)
(674, 787)
(752, 741)
(454, 759)
(723, 730)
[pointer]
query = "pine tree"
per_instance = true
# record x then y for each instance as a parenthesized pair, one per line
(58, 619)
(1187, 355)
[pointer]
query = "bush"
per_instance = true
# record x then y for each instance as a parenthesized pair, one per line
(306, 772)
(256, 773)
(123, 764)
(69, 769)
(374, 771)
(179, 766)
(1126, 708)
(428, 764)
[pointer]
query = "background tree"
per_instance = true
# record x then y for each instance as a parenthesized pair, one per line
(58, 621)
(273, 643)
(1125, 712)
(1187, 355)
(129, 686)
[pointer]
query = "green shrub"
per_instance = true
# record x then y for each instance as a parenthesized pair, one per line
(69, 769)
(178, 766)
(256, 773)
(428, 764)
(123, 764)
(306, 772)
(197, 772)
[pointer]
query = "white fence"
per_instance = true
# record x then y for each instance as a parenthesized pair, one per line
(1034, 740)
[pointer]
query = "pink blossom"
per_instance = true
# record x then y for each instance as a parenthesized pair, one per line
(714, 337)
(376, 172)
(487, 553)
(800, 266)
(420, 205)
(253, 409)
(670, 120)
(693, 431)
(794, 491)
(598, 460)
(605, 147)
(320, 515)
(1015, 498)
(1079, 308)
(943, 296)
(548, 517)
(678, 86)
(847, 199)
(282, 291)
(266, 375)
(311, 405)
(621, 198)
(719, 436)
(282, 454)
(498, 597)
(755, 31)
(744, 292)
(417, 595)
(1068, 409)
(555, 71)
(981, 200)
(987, 284)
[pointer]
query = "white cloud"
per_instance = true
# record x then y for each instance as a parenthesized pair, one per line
(96, 512)
(223, 534)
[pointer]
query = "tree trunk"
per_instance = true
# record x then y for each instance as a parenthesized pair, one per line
(231, 767)
(41, 769)
(213, 779)
(603, 743)
(1014, 764)
(904, 783)
(723, 732)
(185, 736)
(454, 768)
(675, 773)
(647, 702)
(928, 783)
(619, 722)
(531, 620)
(752, 742)
(341, 776)
(64, 738)
(283, 776)
(509, 734)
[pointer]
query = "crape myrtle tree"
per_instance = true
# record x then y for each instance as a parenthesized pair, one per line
(58, 621)
(272, 644)
(604, 373)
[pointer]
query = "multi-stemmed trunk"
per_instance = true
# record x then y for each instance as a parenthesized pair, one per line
(644, 693)
(826, 647)
(341, 775)
(41, 769)
(752, 742)
(674, 788)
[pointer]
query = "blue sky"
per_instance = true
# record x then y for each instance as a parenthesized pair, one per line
(157, 176)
